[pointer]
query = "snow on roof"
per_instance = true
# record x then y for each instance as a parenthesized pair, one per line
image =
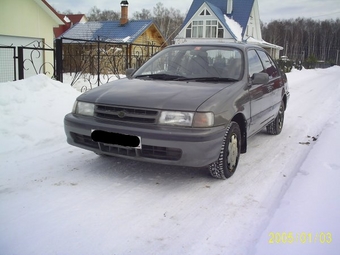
(263, 43)
(67, 19)
(126, 39)
(234, 27)
(108, 30)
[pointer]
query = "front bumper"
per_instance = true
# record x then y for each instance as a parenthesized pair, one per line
(195, 147)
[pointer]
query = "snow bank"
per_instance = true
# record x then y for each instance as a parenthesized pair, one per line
(32, 112)
(307, 220)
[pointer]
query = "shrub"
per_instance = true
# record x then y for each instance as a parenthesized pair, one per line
(285, 65)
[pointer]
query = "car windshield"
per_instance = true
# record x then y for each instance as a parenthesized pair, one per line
(192, 62)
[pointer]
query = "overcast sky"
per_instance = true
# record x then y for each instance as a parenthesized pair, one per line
(269, 9)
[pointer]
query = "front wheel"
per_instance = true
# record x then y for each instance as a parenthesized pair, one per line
(227, 161)
(276, 126)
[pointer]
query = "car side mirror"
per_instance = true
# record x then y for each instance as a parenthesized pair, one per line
(260, 78)
(129, 72)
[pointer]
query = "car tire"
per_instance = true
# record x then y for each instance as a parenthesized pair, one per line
(229, 156)
(276, 126)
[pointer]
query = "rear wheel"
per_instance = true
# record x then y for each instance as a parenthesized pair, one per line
(276, 126)
(227, 161)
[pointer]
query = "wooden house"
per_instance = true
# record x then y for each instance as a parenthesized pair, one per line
(117, 45)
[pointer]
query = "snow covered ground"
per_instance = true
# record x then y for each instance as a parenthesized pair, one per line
(58, 199)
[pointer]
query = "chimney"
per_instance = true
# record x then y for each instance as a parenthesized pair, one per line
(230, 6)
(124, 12)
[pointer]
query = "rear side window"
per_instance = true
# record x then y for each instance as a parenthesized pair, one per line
(268, 64)
(255, 64)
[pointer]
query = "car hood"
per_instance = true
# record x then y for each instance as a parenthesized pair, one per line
(156, 94)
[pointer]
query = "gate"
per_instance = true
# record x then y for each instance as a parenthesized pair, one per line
(34, 58)
(8, 65)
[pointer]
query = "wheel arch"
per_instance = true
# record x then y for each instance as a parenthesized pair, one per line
(285, 97)
(242, 122)
(284, 100)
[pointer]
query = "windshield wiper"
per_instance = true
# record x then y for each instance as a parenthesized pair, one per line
(160, 76)
(212, 79)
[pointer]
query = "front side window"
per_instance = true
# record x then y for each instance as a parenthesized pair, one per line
(255, 64)
(268, 64)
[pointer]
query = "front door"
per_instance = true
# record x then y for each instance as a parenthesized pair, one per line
(261, 101)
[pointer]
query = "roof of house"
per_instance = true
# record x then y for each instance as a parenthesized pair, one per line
(241, 11)
(50, 11)
(110, 31)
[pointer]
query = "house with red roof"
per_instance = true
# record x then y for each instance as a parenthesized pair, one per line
(69, 21)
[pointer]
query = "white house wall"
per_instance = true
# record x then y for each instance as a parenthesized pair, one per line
(254, 26)
(30, 20)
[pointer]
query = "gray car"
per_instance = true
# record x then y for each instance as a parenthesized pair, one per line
(190, 105)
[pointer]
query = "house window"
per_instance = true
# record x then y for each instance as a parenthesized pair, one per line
(213, 29)
(205, 13)
(197, 29)
(208, 28)
(220, 31)
(188, 32)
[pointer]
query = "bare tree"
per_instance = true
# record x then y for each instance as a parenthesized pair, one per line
(168, 20)
(143, 15)
(305, 39)
(96, 14)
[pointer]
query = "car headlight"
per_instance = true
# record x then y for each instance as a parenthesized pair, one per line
(83, 108)
(176, 118)
(187, 119)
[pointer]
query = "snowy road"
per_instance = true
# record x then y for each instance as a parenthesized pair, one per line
(58, 199)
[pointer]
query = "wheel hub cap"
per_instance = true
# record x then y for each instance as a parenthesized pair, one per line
(233, 152)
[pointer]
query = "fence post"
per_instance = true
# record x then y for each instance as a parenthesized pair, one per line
(128, 57)
(21, 63)
(98, 62)
(59, 59)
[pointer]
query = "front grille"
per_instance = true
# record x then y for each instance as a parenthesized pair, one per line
(164, 153)
(131, 152)
(147, 151)
(127, 114)
(84, 140)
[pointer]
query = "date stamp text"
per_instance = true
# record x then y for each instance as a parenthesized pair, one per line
(303, 237)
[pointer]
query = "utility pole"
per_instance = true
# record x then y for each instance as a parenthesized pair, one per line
(337, 57)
